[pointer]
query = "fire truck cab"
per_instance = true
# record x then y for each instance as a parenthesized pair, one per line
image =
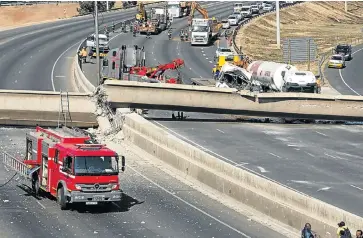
(65, 163)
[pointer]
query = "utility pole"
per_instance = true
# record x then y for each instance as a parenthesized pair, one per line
(107, 6)
(97, 45)
(346, 6)
(278, 25)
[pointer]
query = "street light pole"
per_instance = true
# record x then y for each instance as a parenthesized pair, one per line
(97, 45)
(278, 25)
(107, 6)
(346, 6)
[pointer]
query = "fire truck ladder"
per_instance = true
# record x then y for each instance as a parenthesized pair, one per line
(64, 113)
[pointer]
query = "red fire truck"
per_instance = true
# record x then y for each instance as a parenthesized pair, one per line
(68, 164)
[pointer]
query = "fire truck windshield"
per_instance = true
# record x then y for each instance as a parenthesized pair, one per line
(95, 165)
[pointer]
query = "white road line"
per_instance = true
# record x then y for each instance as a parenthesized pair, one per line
(60, 76)
(263, 170)
(40, 204)
(309, 154)
(56, 61)
(321, 133)
(211, 62)
(361, 189)
(80, 42)
(206, 58)
(189, 204)
(341, 76)
(220, 131)
(275, 155)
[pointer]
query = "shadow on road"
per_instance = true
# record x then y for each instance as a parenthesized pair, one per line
(123, 206)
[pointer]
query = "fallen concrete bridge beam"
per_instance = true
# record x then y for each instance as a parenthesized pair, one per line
(228, 101)
(31, 108)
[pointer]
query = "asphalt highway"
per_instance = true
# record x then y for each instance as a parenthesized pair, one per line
(160, 50)
(348, 81)
(322, 161)
(39, 57)
(154, 205)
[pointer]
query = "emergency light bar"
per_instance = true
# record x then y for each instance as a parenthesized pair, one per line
(90, 146)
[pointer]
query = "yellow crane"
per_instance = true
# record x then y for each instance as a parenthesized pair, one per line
(141, 15)
(200, 9)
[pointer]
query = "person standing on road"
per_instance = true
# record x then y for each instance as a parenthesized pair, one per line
(306, 231)
(343, 231)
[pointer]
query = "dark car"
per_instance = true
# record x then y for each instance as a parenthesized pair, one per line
(345, 50)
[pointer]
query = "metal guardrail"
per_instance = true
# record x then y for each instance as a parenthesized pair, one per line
(15, 164)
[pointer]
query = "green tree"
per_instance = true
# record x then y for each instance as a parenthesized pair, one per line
(88, 7)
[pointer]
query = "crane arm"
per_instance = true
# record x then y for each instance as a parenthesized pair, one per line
(175, 64)
(141, 11)
(202, 11)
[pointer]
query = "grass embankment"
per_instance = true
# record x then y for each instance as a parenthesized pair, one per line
(326, 22)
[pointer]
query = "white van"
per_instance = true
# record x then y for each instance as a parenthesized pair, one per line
(103, 41)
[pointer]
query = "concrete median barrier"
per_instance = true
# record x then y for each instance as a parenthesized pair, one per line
(229, 101)
(275, 200)
(30, 108)
(82, 84)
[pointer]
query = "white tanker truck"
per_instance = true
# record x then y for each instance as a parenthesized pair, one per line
(271, 76)
(281, 77)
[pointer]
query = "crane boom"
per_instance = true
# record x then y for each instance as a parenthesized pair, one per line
(200, 9)
(141, 15)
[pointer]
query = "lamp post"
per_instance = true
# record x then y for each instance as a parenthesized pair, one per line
(278, 25)
(97, 45)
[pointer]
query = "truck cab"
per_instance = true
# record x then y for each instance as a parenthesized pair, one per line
(344, 50)
(201, 32)
(66, 164)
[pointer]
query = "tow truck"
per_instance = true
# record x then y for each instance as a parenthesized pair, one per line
(70, 166)
(158, 71)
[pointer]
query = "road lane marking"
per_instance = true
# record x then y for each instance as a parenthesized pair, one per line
(343, 80)
(321, 133)
(40, 204)
(56, 61)
(189, 204)
(262, 169)
(361, 189)
(220, 131)
(275, 155)
(60, 76)
(309, 154)
(323, 189)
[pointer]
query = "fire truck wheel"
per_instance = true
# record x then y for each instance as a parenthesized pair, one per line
(35, 186)
(61, 199)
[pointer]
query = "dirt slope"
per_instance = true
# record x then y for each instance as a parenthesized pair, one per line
(12, 16)
(326, 22)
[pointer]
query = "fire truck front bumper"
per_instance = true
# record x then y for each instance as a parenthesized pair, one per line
(94, 198)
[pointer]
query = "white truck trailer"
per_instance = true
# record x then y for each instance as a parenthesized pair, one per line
(271, 76)
(178, 9)
(203, 31)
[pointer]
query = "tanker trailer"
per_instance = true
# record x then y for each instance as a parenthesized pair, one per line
(271, 76)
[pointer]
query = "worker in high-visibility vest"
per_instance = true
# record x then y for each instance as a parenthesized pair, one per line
(138, 17)
(83, 54)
